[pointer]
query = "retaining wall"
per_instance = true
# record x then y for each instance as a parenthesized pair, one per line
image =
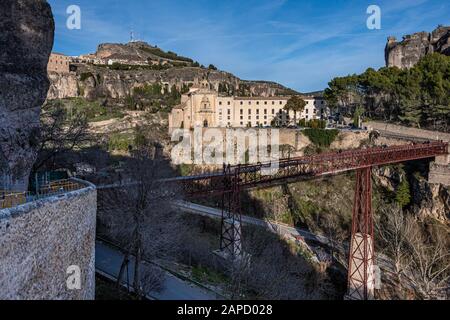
(41, 240)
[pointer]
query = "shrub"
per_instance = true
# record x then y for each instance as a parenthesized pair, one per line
(120, 142)
(320, 137)
(85, 75)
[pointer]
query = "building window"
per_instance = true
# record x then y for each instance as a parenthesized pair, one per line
(265, 117)
(265, 111)
(307, 111)
(273, 102)
(257, 111)
(229, 111)
(281, 102)
(242, 111)
(265, 102)
(229, 118)
(242, 103)
(249, 102)
(242, 123)
(273, 111)
(229, 103)
(257, 102)
(242, 117)
(249, 111)
(220, 103)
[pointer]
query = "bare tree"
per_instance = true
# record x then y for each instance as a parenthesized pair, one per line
(60, 133)
(420, 258)
(334, 232)
(141, 216)
(393, 229)
(430, 262)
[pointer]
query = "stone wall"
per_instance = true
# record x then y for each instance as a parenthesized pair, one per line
(41, 239)
(440, 169)
(408, 131)
(439, 174)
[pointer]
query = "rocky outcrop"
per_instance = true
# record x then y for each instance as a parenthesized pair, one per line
(407, 53)
(26, 39)
(431, 200)
(62, 86)
(428, 200)
(147, 65)
(95, 81)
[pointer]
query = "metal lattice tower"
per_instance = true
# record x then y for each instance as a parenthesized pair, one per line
(361, 278)
(230, 238)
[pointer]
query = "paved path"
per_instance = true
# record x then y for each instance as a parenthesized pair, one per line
(274, 227)
(108, 261)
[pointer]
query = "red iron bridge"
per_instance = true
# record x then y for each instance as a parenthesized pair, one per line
(233, 179)
(229, 183)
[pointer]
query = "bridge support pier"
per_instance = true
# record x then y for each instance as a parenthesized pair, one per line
(361, 278)
(231, 234)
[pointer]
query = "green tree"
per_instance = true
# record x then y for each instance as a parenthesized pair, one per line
(296, 104)
(403, 194)
(417, 96)
(359, 111)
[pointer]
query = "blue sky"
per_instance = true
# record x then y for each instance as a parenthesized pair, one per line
(298, 43)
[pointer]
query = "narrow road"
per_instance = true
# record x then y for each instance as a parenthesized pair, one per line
(274, 227)
(108, 261)
(383, 262)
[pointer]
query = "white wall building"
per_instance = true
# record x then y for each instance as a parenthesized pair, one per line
(204, 107)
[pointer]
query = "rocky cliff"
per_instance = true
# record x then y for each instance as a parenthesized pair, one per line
(26, 40)
(408, 52)
(165, 68)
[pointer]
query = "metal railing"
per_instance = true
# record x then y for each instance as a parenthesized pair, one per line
(10, 199)
(59, 186)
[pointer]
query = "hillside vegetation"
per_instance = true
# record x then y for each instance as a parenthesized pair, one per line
(417, 97)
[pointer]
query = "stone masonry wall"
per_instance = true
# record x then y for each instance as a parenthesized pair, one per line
(440, 169)
(407, 131)
(41, 239)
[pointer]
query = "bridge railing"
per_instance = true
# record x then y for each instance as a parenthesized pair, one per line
(310, 166)
(10, 199)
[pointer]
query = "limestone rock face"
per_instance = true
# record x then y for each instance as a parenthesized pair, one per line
(99, 81)
(26, 40)
(62, 86)
(431, 200)
(407, 53)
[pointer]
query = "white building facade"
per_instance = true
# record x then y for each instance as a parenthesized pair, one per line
(204, 107)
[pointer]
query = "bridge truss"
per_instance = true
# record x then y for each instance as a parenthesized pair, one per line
(233, 179)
